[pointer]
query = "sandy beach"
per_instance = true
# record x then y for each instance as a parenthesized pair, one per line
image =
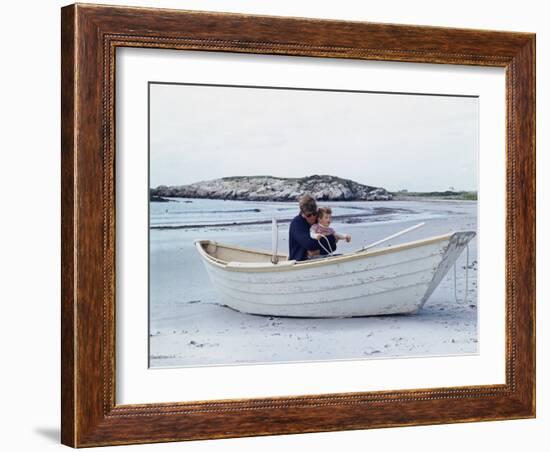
(188, 326)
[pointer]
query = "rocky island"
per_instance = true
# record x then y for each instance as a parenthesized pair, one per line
(270, 188)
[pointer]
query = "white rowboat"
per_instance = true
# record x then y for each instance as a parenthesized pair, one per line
(397, 279)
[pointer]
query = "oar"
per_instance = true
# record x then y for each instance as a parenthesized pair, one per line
(397, 234)
(274, 240)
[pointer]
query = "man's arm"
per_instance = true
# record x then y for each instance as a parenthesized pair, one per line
(301, 235)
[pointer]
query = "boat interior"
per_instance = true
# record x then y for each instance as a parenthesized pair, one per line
(225, 253)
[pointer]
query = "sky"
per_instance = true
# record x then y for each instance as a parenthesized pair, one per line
(396, 141)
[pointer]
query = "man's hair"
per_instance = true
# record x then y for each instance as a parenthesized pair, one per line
(324, 211)
(308, 204)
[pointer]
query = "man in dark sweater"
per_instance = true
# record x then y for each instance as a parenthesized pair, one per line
(299, 240)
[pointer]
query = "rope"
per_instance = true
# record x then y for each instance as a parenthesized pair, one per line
(329, 247)
(466, 277)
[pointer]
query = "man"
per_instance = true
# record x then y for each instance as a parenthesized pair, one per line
(299, 240)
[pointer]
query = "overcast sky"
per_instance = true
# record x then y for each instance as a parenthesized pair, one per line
(395, 141)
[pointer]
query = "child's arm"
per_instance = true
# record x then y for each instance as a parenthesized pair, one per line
(345, 237)
(313, 233)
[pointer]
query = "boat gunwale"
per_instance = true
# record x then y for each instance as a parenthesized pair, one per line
(361, 254)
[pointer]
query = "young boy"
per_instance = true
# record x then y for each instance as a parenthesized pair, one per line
(322, 229)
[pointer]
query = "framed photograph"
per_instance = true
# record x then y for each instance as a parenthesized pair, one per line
(280, 225)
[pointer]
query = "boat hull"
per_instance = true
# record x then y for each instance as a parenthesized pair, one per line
(394, 280)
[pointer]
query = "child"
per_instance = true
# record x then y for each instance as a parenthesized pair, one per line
(322, 229)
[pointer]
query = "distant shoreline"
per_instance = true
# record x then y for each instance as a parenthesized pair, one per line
(447, 195)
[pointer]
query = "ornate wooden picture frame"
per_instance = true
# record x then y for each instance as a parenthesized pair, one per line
(90, 36)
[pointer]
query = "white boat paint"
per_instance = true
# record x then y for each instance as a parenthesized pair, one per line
(394, 280)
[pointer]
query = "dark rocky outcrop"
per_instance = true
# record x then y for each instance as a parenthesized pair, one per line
(156, 198)
(269, 188)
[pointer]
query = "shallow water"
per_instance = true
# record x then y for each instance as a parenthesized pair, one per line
(199, 213)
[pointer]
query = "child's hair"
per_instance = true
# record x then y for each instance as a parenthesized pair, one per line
(322, 211)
